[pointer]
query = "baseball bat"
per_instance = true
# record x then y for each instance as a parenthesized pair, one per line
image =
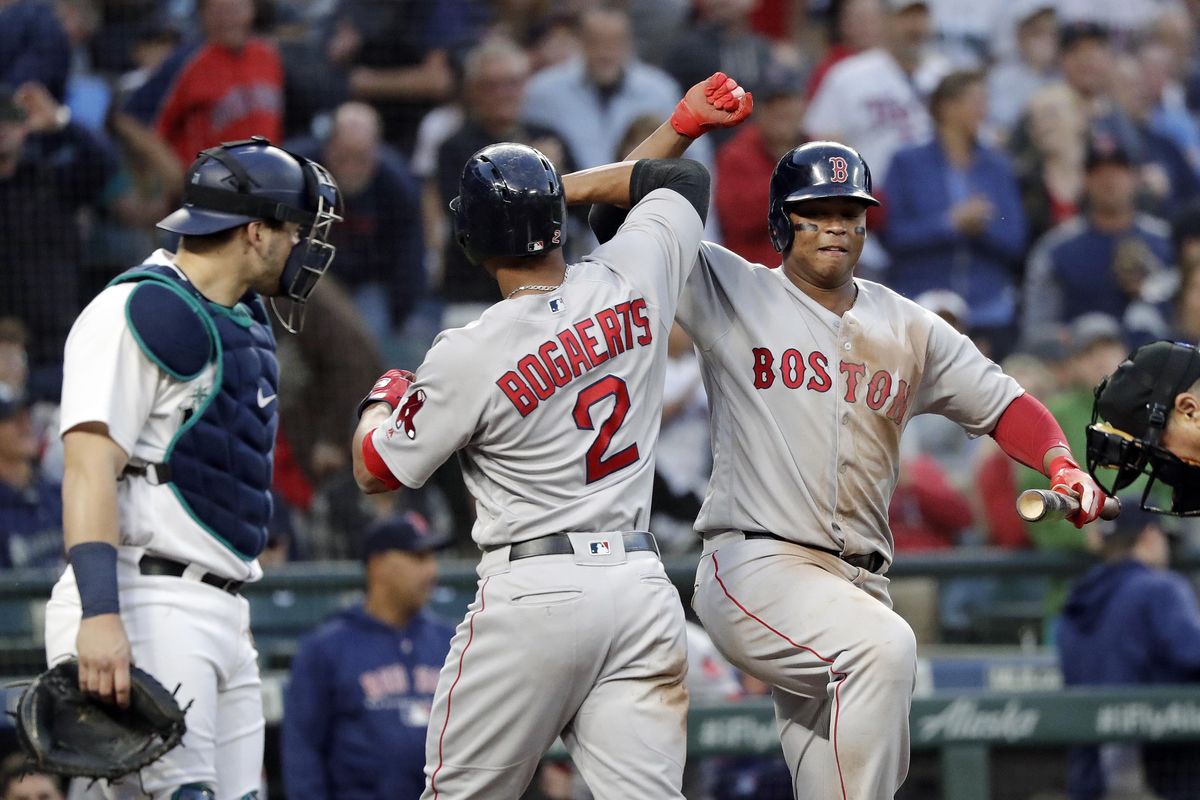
(1037, 504)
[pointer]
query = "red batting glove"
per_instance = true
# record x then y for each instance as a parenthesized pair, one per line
(1067, 478)
(715, 103)
(390, 389)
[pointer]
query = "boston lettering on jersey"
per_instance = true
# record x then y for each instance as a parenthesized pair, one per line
(573, 351)
(793, 367)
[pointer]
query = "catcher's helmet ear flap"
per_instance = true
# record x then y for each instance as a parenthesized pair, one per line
(510, 203)
(811, 171)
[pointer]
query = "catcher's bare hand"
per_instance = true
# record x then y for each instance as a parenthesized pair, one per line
(718, 102)
(104, 658)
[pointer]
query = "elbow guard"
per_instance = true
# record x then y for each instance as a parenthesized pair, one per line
(683, 176)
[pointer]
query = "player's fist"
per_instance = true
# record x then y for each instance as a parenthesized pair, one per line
(718, 102)
(1067, 478)
(390, 389)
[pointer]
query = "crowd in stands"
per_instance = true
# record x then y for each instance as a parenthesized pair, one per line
(1038, 162)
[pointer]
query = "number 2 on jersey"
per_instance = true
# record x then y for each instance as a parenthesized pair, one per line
(597, 465)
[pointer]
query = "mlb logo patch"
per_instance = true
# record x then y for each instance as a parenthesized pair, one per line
(556, 304)
(599, 547)
(535, 247)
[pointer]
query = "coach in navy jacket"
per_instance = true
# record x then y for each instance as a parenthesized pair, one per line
(357, 704)
(954, 215)
(1130, 620)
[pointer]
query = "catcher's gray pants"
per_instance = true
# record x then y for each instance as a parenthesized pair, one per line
(842, 664)
(592, 647)
(195, 636)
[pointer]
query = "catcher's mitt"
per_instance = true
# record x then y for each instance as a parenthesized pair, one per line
(67, 732)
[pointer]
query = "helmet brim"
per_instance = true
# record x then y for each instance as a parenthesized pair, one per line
(824, 192)
(201, 221)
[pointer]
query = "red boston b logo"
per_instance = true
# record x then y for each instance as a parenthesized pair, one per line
(840, 169)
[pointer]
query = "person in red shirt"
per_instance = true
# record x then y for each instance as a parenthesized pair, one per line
(224, 87)
(857, 26)
(745, 163)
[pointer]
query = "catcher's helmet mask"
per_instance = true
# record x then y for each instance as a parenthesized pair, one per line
(510, 204)
(1130, 411)
(266, 187)
(813, 171)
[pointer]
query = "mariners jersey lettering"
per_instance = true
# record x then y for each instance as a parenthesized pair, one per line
(554, 400)
(844, 386)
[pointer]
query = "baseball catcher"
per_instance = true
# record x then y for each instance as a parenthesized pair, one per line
(66, 731)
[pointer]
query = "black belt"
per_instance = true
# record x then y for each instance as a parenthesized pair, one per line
(871, 562)
(157, 474)
(157, 565)
(559, 544)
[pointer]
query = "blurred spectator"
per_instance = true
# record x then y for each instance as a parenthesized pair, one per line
(1132, 621)
(225, 85)
(357, 705)
(590, 100)
(152, 41)
(1087, 57)
(14, 359)
(1126, 19)
(494, 88)
(555, 41)
(1095, 347)
(721, 40)
(683, 458)
(33, 46)
(396, 56)
(143, 190)
(320, 372)
(1165, 178)
(1169, 114)
(745, 164)
(873, 101)
(954, 214)
(20, 781)
(380, 256)
(87, 94)
(1110, 259)
(50, 169)
(1049, 149)
(30, 506)
(932, 434)
(926, 512)
(857, 26)
(1013, 81)
(1186, 325)
(656, 23)
(995, 474)
(964, 29)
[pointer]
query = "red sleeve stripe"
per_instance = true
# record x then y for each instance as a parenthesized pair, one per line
(374, 463)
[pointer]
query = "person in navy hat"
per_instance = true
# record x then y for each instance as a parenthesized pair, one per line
(357, 706)
(1131, 620)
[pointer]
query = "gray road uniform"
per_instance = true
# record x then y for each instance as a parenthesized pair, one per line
(807, 410)
(553, 403)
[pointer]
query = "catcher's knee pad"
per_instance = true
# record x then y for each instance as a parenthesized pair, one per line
(194, 791)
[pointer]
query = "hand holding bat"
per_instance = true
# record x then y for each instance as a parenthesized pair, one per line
(1035, 505)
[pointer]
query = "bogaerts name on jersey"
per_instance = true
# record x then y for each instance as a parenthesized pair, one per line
(795, 371)
(574, 351)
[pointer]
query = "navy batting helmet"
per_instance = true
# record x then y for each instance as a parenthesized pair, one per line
(811, 171)
(510, 203)
(240, 182)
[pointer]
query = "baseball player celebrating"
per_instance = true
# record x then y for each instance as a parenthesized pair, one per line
(168, 422)
(552, 400)
(812, 375)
